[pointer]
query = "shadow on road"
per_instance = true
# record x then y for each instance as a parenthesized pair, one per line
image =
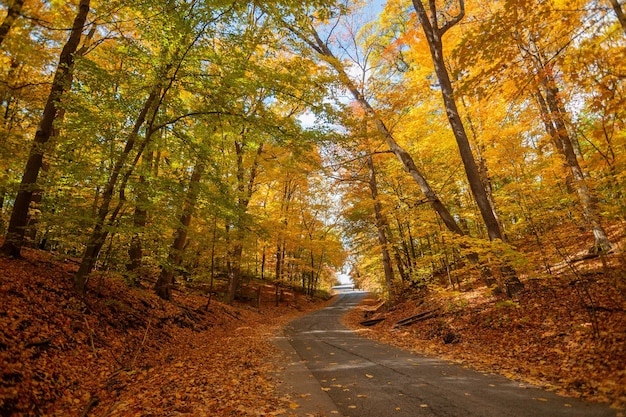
(331, 371)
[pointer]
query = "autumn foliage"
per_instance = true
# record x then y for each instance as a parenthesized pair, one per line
(117, 352)
(468, 153)
(565, 334)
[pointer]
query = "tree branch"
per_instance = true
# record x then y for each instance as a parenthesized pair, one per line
(456, 19)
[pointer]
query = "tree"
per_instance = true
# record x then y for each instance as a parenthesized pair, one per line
(382, 225)
(539, 50)
(60, 84)
(434, 33)
(188, 28)
(322, 48)
(14, 11)
(163, 286)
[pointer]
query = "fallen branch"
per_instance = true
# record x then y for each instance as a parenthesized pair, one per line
(371, 322)
(425, 315)
(145, 335)
(93, 401)
(90, 333)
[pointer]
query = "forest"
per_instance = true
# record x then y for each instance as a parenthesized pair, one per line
(423, 148)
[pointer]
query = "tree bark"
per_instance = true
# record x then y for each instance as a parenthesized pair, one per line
(433, 34)
(617, 8)
(245, 189)
(60, 84)
(381, 227)
(163, 286)
(12, 14)
(140, 218)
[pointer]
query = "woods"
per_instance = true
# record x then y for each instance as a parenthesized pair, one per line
(219, 93)
(158, 89)
(423, 148)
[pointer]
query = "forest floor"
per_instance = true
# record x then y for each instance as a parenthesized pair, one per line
(123, 352)
(565, 332)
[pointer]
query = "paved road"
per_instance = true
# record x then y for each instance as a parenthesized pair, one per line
(335, 372)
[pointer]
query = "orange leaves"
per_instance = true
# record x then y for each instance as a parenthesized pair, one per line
(125, 353)
(544, 337)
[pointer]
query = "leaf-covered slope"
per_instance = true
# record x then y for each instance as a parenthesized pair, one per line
(123, 352)
(566, 334)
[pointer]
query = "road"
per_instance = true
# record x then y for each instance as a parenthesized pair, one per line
(335, 372)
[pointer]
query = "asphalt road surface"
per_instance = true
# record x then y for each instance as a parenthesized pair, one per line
(335, 372)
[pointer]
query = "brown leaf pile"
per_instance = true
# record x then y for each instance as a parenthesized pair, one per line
(122, 352)
(567, 333)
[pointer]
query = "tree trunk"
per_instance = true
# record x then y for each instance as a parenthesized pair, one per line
(163, 286)
(99, 232)
(245, 189)
(483, 170)
(617, 8)
(433, 34)
(381, 226)
(60, 84)
(140, 218)
(12, 14)
(585, 194)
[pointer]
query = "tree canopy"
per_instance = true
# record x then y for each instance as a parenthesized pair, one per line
(171, 140)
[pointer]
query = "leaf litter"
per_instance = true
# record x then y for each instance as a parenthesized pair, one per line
(121, 352)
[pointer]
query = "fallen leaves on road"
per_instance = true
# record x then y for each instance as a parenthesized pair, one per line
(545, 336)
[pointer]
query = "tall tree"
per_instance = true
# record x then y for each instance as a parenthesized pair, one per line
(163, 286)
(187, 26)
(322, 48)
(434, 31)
(245, 188)
(14, 238)
(382, 226)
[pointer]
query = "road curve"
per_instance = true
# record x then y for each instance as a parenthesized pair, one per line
(356, 377)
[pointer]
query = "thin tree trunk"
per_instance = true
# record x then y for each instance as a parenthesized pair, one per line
(99, 232)
(245, 190)
(381, 227)
(585, 194)
(60, 84)
(433, 34)
(483, 170)
(140, 218)
(163, 286)
(12, 14)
